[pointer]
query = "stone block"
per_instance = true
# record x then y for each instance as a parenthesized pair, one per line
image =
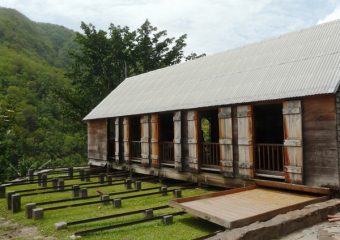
(70, 172)
(109, 179)
(54, 182)
(60, 225)
(168, 219)
(82, 174)
(117, 203)
(87, 176)
(148, 213)
(83, 193)
(44, 180)
(75, 191)
(106, 199)
(178, 193)
(30, 175)
(16, 203)
(61, 185)
(164, 191)
(101, 178)
(29, 209)
(2, 191)
(39, 178)
(37, 213)
(128, 183)
(9, 199)
(138, 185)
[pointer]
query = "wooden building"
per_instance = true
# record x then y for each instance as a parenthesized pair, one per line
(266, 110)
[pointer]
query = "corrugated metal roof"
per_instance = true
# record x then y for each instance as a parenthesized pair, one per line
(293, 65)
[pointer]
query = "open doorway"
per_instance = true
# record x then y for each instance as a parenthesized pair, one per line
(209, 139)
(135, 139)
(268, 136)
(166, 139)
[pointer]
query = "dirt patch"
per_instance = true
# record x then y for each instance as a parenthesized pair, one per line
(12, 230)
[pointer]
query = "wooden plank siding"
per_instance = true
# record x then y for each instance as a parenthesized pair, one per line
(293, 145)
(154, 122)
(177, 118)
(145, 148)
(320, 141)
(226, 141)
(126, 139)
(193, 151)
(117, 131)
(97, 139)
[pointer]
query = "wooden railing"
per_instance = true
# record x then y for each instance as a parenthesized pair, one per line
(135, 150)
(166, 150)
(210, 154)
(269, 157)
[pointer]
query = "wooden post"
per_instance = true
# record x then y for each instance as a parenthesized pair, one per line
(144, 124)
(155, 141)
(117, 140)
(178, 140)
(192, 118)
(126, 139)
(226, 141)
(292, 124)
(245, 141)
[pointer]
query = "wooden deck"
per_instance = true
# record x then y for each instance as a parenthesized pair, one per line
(243, 206)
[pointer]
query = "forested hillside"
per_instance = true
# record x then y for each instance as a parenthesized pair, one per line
(32, 127)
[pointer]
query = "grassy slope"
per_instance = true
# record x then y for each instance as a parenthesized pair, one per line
(184, 227)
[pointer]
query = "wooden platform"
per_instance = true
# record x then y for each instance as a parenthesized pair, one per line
(243, 206)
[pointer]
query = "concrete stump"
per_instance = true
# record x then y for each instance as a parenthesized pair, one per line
(87, 176)
(2, 191)
(164, 191)
(109, 179)
(148, 213)
(117, 202)
(75, 191)
(82, 174)
(83, 193)
(138, 185)
(128, 183)
(106, 199)
(30, 175)
(9, 199)
(44, 180)
(37, 213)
(168, 219)
(54, 182)
(101, 177)
(29, 209)
(178, 193)
(16, 203)
(60, 225)
(39, 178)
(61, 185)
(70, 172)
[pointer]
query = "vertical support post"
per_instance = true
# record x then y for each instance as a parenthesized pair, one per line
(245, 141)
(39, 178)
(16, 203)
(117, 140)
(293, 151)
(126, 139)
(30, 175)
(226, 141)
(178, 140)
(144, 124)
(2, 191)
(44, 180)
(155, 161)
(70, 172)
(192, 119)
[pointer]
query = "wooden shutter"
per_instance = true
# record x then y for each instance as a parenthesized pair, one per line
(126, 139)
(97, 139)
(226, 141)
(245, 141)
(144, 123)
(292, 122)
(192, 119)
(117, 140)
(155, 140)
(178, 140)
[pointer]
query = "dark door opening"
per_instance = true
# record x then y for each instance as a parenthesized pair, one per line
(111, 144)
(209, 139)
(166, 139)
(268, 131)
(135, 139)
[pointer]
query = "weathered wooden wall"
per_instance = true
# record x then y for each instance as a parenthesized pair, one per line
(145, 132)
(177, 118)
(226, 141)
(320, 140)
(154, 122)
(193, 153)
(97, 139)
(126, 139)
(117, 131)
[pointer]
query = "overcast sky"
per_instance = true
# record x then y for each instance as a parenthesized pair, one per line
(212, 25)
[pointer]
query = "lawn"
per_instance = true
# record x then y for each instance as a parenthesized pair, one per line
(183, 227)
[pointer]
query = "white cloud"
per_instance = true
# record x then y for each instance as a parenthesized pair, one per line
(211, 25)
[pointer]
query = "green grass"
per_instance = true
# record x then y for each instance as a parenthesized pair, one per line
(184, 226)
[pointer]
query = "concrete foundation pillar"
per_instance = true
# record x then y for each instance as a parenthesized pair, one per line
(164, 191)
(54, 182)
(87, 176)
(117, 202)
(75, 191)
(16, 203)
(83, 193)
(138, 185)
(44, 180)
(37, 213)
(9, 199)
(128, 183)
(30, 175)
(61, 185)
(2, 191)
(82, 174)
(106, 199)
(39, 178)
(168, 219)
(29, 209)
(70, 172)
(178, 193)
(101, 178)
(109, 180)
(148, 213)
